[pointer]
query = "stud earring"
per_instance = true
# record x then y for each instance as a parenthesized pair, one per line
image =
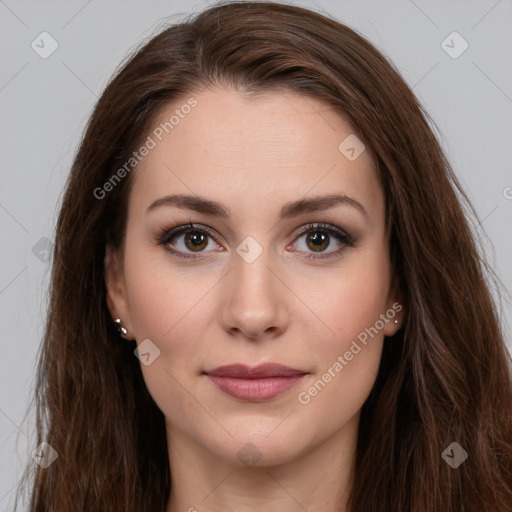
(120, 329)
(396, 321)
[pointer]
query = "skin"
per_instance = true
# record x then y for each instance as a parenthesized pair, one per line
(253, 155)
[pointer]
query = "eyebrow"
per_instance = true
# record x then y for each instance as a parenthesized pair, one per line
(307, 205)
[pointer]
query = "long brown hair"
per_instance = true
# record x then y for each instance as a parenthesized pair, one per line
(445, 377)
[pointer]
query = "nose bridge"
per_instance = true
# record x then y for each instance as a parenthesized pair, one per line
(254, 276)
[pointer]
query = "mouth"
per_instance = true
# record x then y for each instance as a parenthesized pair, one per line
(254, 384)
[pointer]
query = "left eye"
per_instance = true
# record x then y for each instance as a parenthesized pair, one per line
(318, 238)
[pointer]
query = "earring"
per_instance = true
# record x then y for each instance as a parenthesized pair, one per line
(396, 321)
(120, 329)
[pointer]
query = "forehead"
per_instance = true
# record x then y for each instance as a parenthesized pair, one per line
(221, 142)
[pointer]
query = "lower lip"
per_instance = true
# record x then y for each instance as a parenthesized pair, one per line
(255, 390)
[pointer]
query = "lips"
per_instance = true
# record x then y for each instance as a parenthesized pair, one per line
(254, 384)
(241, 371)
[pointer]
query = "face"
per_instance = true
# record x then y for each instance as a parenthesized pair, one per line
(266, 274)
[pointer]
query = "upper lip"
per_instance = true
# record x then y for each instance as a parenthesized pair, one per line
(242, 371)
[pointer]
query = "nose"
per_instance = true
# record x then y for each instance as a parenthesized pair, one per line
(255, 304)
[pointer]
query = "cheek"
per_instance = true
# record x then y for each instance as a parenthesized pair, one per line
(168, 307)
(162, 311)
(347, 369)
(356, 296)
(358, 305)
(165, 315)
(348, 360)
(158, 296)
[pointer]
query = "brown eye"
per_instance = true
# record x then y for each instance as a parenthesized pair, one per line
(319, 241)
(196, 240)
(188, 241)
(317, 238)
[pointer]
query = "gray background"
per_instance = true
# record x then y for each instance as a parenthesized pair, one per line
(45, 104)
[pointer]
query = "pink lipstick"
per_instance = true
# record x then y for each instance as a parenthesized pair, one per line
(255, 384)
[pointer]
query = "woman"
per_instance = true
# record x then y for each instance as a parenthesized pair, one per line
(265, 292)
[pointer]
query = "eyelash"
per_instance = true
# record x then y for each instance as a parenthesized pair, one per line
(167, 234)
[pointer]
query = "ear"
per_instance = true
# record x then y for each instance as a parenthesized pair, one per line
(115, 285)
(395, 312)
